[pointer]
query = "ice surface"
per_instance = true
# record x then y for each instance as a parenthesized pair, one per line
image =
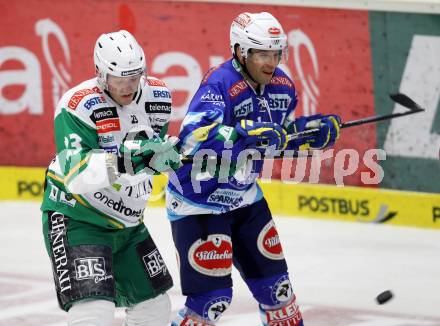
(337, 270)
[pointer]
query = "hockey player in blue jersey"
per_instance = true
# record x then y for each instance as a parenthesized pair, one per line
(218, 221)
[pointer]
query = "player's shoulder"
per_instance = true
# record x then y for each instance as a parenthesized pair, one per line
(83, 96)
(223, 73)
(155, 89)
(281, 79)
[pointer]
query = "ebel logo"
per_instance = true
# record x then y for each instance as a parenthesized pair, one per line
(104, 113)
(154, 263)
(244, 108)
(157, 107)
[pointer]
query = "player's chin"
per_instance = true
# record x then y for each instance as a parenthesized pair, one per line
(265, 78)
(126, 99)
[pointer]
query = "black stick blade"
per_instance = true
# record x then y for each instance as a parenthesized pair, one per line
(405, 101)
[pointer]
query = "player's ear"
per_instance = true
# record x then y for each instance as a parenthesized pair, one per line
(238, 54)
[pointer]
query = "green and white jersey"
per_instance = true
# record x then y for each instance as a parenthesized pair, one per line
(89, 125)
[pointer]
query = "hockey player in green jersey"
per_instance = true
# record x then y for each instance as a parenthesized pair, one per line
(110, 135)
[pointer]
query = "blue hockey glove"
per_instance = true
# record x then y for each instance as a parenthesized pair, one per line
(260, 135)
(328, 125)
(153, 156)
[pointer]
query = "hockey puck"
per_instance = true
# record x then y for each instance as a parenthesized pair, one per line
(384, 297)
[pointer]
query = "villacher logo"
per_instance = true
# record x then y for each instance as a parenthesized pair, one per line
(212, 257)
(269, 242)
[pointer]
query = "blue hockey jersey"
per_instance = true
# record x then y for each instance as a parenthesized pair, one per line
(223, 99)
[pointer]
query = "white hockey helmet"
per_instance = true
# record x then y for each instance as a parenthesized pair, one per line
(257, 31)
(118, 54)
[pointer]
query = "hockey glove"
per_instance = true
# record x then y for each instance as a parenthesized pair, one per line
(261, 135)
(328, 125)
(152, 156)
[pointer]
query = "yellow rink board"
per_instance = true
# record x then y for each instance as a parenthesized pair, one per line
(356, 204)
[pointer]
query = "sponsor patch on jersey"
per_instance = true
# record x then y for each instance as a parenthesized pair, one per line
(282, 290)
(118, 206)
(216, 307)
(226, 197)
(106, 139)
(268, 242)
(244, 108)
(161, 94)
(213, 256)
(67, 199)
(280, 80)
(287, 315)
(155, 82)
(157, 107)
(141, 189)
(237, 88)
(279, 101)
(93, 101)
(157, 120)
(57, 223)
(53, 195)
(108, 125)
(90, 268)
(79, 95)
(103, 113)
(154, 263)
(111, 149)
(210, 97)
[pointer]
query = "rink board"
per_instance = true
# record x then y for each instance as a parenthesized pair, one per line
(366, 205)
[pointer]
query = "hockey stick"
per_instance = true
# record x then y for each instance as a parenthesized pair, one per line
(399, 98)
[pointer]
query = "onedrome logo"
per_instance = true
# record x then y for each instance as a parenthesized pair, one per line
(268, 242)
(212, 257)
